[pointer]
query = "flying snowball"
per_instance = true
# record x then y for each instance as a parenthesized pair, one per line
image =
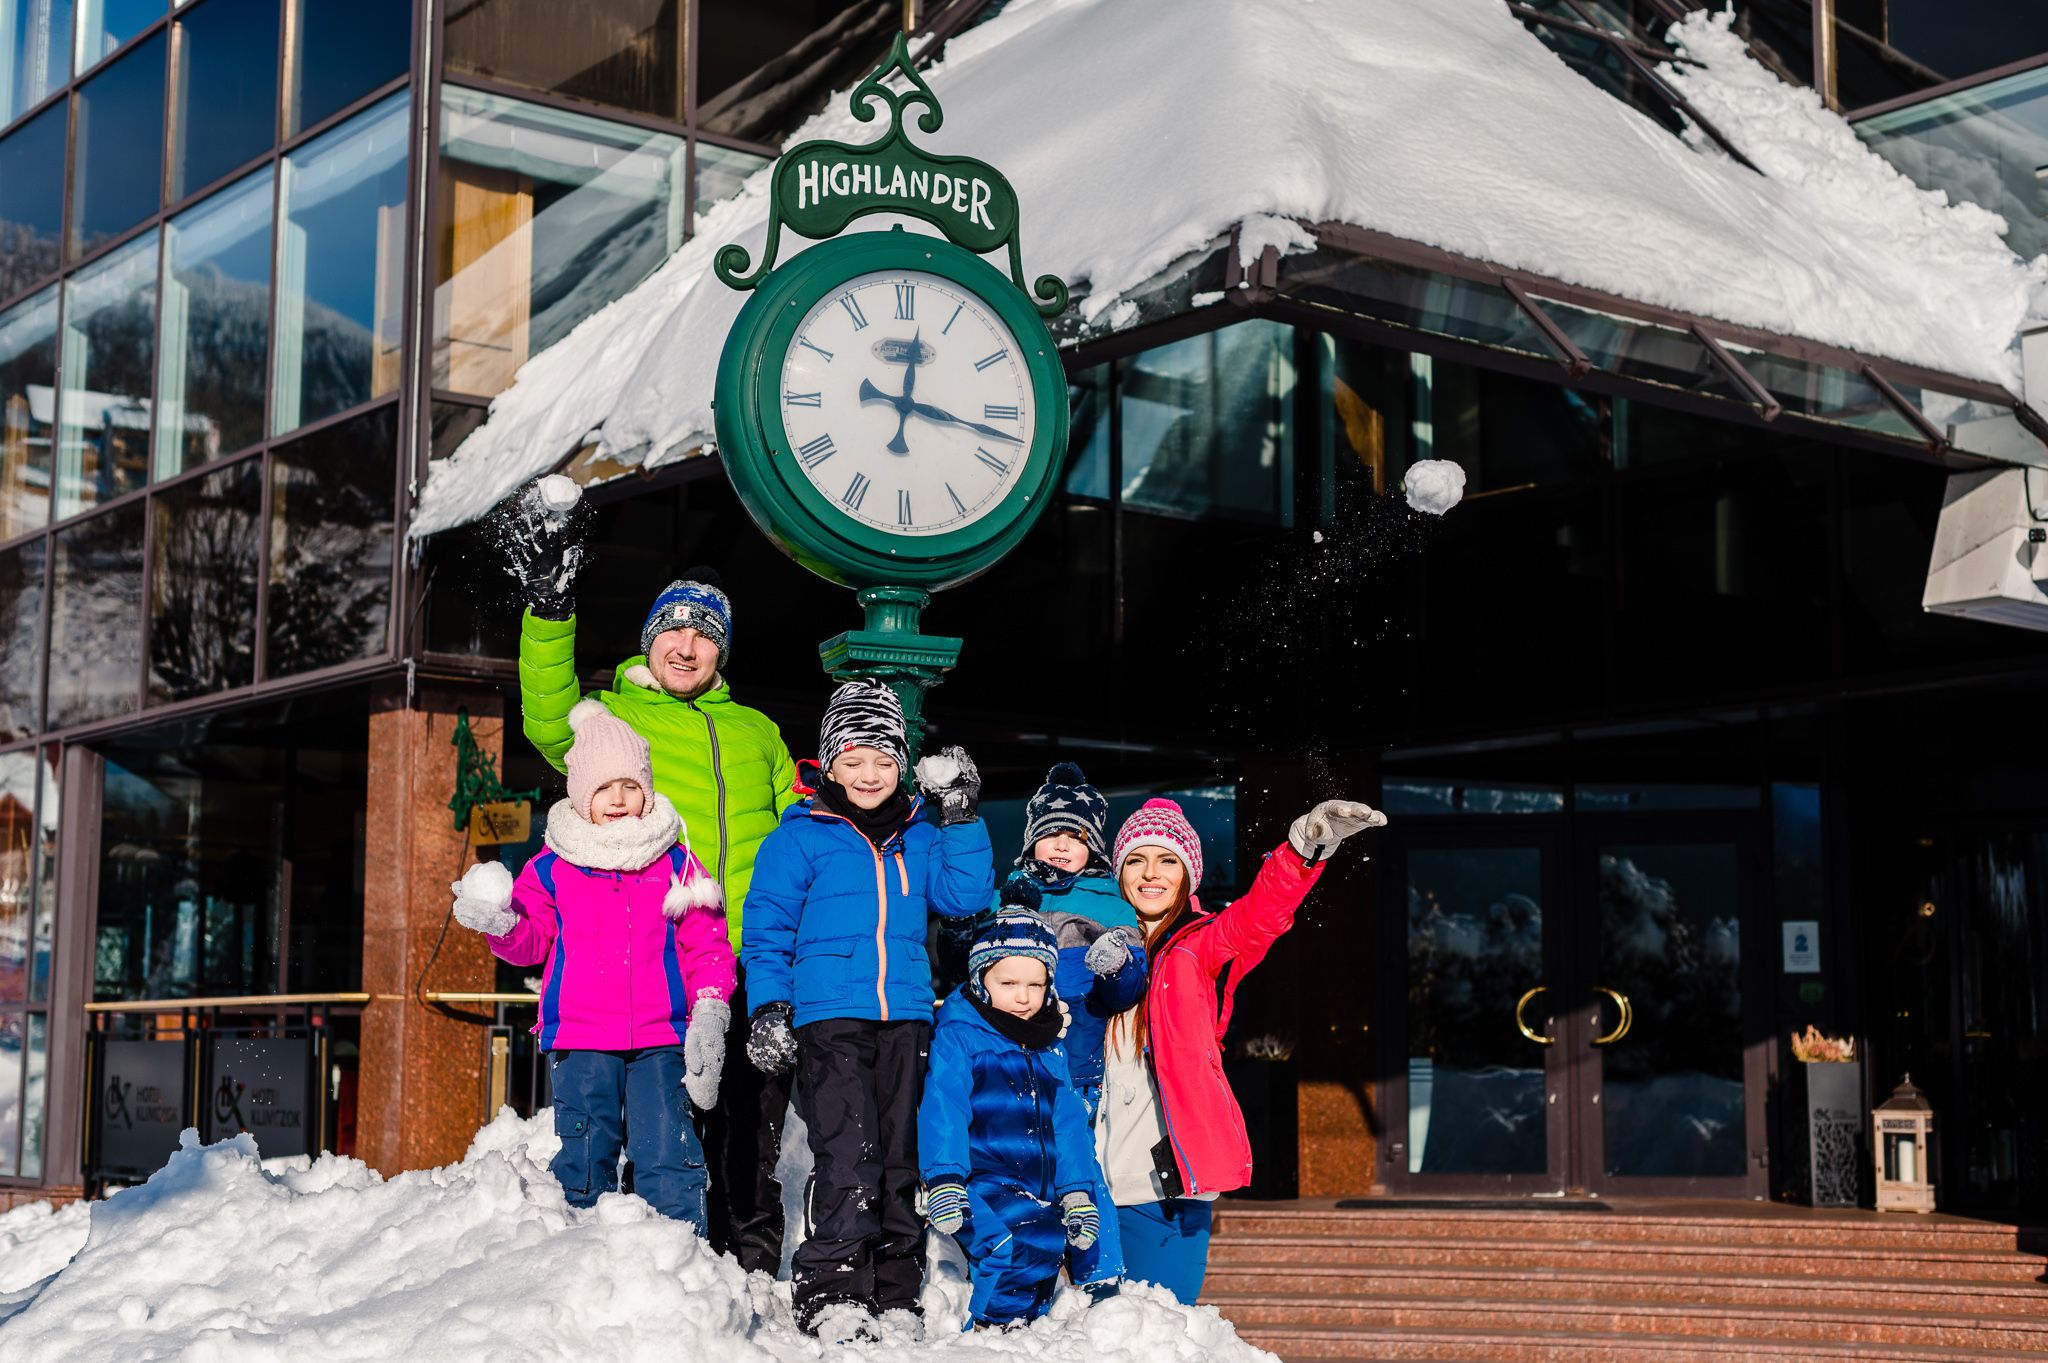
(1434, 485)
(558, 493)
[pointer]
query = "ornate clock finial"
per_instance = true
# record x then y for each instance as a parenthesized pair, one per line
(818, 187)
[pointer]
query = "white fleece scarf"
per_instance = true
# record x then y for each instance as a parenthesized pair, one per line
(632, 845)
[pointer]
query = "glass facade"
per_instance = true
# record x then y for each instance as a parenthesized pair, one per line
(117, 160)
(106, 369)
(28, 833)
(339, 54)
(627, 54)
(35, 53)
(1984, 145)
(214, 327)
(226, 91)
(31, 200)
(331, 545)
(28, 406)
(546, 216)
(340, 268)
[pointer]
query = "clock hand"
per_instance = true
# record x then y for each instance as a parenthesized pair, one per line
(905, 406)
(931, 413)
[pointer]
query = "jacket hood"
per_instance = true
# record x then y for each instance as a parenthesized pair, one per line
(634, 681)
(624, 845)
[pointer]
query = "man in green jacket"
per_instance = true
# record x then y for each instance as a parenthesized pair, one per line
(724, 767)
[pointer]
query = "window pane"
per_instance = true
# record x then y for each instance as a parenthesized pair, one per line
(720, 173)
(21, 633)
(31, 199)
(764, 66)
(340, 51)
(17, 848)
(32, 1099)
(96, 618)
(1896, 47)
(202, 594)
(35, 52)
(117, 170)
(28, 399)
(453, 423)
(13, 1035)
(104, 25)
(46, 878)
(341, 268)
(1208, 425)
(103, 423)
(216, 327)
(546, 217)
(1411, 297)
(226, 89)
(330, 544)
(1982, 145)
(628, 53)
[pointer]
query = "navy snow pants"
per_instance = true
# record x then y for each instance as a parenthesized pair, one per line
(1014, 1244)
(606, 1101)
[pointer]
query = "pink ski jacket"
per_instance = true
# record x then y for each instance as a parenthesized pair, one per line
(1195, 973)
(628, 949)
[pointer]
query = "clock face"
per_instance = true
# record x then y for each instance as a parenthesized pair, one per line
(907, 402)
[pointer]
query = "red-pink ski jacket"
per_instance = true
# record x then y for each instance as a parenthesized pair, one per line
(1195, 973)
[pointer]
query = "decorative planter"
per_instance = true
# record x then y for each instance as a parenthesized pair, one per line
(1834, 1132)
(1267, 1092)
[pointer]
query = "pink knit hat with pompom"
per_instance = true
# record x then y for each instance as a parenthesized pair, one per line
(1159, 823)
(606, 748)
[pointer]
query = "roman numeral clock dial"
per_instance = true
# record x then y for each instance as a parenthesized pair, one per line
(907, 403)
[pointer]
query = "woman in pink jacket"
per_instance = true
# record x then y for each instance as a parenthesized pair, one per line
(1169, 1133)
(633, 996)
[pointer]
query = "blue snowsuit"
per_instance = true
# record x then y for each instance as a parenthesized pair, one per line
(1002, 1120)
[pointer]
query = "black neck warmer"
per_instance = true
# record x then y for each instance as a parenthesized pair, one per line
(880, 824)
(1034, 1033)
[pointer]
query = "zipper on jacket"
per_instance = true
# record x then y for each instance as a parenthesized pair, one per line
(881, 907)
(902, 874)
(718, 778)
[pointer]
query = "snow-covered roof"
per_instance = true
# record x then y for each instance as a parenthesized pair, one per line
(1137, 132)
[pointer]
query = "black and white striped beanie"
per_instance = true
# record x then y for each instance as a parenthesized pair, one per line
(863, 713)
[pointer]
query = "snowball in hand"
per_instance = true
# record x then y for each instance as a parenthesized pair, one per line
(488, 881)
(558, 493)
(1434, 485)
(937, 771)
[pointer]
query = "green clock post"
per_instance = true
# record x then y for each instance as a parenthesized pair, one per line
(890, 407)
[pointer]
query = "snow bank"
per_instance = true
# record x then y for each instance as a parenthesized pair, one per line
(1138, 131)
(221, 1258)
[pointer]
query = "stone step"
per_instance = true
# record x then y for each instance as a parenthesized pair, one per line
(1299, 1344)
(1749, 1325)
(1768, 1226)
(1760, 1290)
(1921, 1265)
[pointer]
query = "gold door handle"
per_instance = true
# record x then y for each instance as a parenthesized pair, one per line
(1523, 1027)
(1628, 1015)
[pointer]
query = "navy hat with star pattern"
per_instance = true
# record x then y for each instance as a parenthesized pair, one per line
(1066, 803)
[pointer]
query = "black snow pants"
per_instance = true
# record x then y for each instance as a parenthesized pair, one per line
(742, 1142)
(858, 1087)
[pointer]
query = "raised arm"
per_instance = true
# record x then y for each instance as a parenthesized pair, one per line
(548, 689)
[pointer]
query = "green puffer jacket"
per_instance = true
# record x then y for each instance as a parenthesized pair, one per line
(724, 766)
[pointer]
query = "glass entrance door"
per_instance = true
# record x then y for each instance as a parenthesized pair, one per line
(1663, 1049)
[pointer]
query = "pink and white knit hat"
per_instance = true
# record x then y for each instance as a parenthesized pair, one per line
(1159, 823)
(605, 749)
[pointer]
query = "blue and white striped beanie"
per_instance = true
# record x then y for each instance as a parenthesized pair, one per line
(1015, 930)
(685, 604)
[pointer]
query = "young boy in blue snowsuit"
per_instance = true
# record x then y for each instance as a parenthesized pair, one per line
(1005, 1144)
(1101, 954)
(834, 948)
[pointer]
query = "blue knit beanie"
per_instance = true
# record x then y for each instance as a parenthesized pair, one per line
(1066, 803)
(691, 604)
(1015, 930)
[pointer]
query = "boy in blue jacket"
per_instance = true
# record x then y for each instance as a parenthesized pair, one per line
(834, 952)
(1006, 1147)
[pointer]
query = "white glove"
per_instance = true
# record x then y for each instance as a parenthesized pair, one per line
(1316, 834)
(1109, 953)
(483, 899)
(704, 1049)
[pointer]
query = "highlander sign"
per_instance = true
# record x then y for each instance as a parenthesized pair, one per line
(258, 1085)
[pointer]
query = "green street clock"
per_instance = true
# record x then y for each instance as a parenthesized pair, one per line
(890, 407)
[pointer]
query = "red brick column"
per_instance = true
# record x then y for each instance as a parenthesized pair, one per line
(419, 1090)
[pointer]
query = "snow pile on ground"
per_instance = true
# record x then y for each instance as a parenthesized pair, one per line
(224, 1258)
(36, 1241)
(1138, 131)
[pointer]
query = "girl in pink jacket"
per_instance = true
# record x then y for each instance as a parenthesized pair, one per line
(638, 969)
(1168, 1131)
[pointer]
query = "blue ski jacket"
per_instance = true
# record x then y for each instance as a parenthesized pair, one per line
(835, 926)
(996, 1110)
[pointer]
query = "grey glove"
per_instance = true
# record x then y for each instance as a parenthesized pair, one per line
(771, 1041)
(1110, 952)
(950, 777)
(1316, 834)
(704, 1049)
(541, 531)
(483, 899)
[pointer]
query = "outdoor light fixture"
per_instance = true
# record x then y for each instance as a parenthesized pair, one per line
(1902, 1138)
